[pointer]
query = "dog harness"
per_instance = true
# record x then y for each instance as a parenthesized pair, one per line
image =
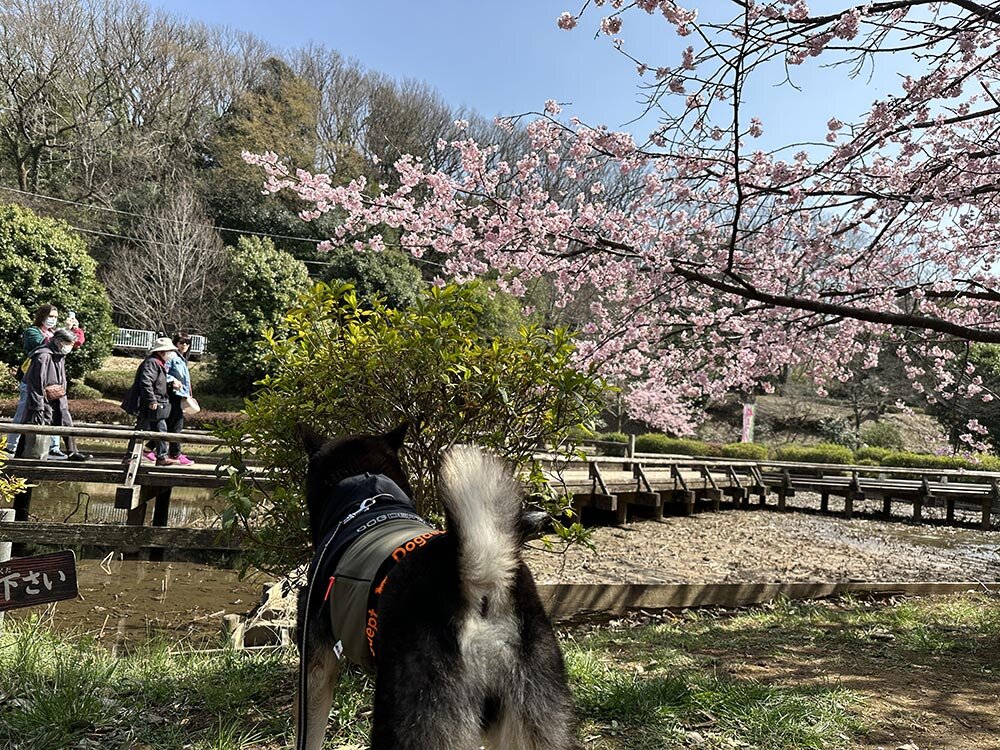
(357, 554)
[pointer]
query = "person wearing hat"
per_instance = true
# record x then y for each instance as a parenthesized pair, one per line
(149, 398)
(46, 382)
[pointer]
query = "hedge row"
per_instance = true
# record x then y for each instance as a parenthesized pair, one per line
(114, 384)
(821, 453)
(106, 412)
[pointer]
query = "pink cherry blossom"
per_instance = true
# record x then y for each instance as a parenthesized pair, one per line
(697, 262)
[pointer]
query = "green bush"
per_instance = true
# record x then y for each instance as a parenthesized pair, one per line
(838, 431)
(80, 390)
(113, 384)
(43, 262)
(925, 461)
(215, 402)
(871, 456)
(262, 283)
(820, 453)
(750, 451)
(343, 366)
(388, 273)
(882, 435)
(621, 449)
(986, 462)
(655, 442)
(612, 437)
(8, 383)
(579, 434)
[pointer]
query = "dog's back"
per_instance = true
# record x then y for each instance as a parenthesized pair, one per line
(467, 651)
(463, 651)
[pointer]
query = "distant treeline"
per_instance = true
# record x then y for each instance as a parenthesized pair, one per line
(132, 121)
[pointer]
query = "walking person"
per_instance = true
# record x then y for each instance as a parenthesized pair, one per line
(179, 393)
(37, 334)
(46, 386)
(149, 399)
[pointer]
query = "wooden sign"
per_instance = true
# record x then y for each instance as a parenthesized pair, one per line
(26, 581)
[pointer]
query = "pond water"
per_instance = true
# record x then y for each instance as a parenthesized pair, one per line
(83, 502)
(130, 601)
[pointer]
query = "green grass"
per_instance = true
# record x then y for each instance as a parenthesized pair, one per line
(666, 683)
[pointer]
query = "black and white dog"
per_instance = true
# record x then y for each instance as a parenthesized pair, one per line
(450, 623)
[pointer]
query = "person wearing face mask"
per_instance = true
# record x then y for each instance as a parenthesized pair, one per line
(36, 335)
(178, 391)
(46, 385)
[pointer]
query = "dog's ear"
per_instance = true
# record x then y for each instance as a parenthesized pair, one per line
(395, 437)
(311, 440)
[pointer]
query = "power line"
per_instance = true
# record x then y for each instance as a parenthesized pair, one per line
(95, 207)
(174, 221)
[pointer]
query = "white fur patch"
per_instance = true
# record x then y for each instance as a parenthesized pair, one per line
(485, 502)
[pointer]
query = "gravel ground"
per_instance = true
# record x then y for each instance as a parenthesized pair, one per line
(764, 546)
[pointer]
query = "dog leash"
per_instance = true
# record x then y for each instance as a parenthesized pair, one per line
(366, 504)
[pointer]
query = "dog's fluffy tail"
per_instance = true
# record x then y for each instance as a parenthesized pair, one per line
(483, 504)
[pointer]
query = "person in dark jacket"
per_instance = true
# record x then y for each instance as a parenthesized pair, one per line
(149, 398)
(36, 335)
(46, 383)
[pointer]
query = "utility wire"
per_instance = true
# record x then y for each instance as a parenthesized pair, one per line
(161, 243)
(95, 207)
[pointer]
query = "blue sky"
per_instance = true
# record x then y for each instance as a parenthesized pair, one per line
(509, 57)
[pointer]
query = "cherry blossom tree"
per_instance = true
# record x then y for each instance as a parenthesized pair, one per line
(719, 261)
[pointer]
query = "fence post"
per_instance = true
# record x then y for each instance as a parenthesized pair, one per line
(6, 516)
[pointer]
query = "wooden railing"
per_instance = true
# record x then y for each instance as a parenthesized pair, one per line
(600, 487)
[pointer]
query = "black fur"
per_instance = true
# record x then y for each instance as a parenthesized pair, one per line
(426, 696)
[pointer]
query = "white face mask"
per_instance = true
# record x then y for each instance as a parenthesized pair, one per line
(50, 322)
(66, 349)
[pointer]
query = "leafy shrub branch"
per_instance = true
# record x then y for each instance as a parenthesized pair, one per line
(346, 366)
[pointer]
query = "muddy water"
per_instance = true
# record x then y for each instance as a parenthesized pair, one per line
(130, 601)
(81, 502)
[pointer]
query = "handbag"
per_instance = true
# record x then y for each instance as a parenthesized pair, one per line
(190, 405)
(54, 392)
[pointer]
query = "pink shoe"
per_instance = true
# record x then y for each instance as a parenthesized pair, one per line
(150, 456)
(183, 460)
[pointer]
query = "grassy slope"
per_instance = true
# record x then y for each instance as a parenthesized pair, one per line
(669, 682)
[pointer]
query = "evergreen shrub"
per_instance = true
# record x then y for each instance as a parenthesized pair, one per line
(655, 442)
(820, 453)
(749, 451)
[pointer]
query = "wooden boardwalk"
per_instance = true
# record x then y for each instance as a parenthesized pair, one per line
(603, 489)
(138, 485)
(652, 484)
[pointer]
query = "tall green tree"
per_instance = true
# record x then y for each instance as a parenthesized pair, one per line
(278, 114)
(42, 261)
(387, 273)
(263, 282)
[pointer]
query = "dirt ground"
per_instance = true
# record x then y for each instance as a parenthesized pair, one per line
(765, 546)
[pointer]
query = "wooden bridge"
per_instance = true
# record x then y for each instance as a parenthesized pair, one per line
(603, 488)
(138, 486)
(652, 484)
